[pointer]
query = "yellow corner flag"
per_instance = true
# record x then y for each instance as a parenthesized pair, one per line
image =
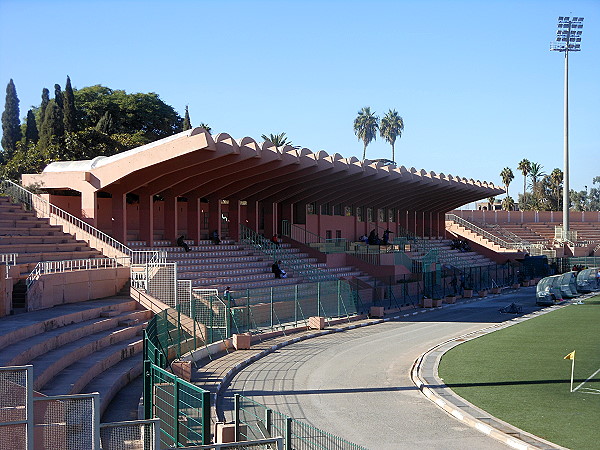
(570, 355)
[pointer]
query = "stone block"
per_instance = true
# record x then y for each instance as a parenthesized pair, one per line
(376, 311)
(241, 341)
(183, 369)
(316, 323)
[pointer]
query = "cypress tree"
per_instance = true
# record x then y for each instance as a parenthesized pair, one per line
(11, 124)
(59, 127)
(31, 132)
(52, 125)
(105, 124)
(69, 108)
(187, 124)
(44, 104)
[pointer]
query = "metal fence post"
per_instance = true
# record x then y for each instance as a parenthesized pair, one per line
(147, 389)
(288, 433)
(269, 421)
(29, 406)
(155, 434)
(96, 419)
(236, 402)
(338, 297)
(176, 409)
(206, 418)
(248, 309)
(271, 305)
(318, 298)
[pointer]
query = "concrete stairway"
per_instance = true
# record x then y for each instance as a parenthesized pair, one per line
(236, 265)
(80, 347)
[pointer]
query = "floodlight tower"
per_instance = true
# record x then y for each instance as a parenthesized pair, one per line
(568, 39)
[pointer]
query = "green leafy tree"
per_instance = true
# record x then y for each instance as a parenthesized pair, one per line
(366, 125)
(11, 124)
(278, 140)
(187, 124)
(594, 196)
(507, 176)
(524, 166)
(59, 127)
(130, 113)
(69, 108)
(391, 127)
(31, 130)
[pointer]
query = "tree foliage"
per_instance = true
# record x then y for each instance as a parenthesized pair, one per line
(366, 125)
(11, 124)
(507, 176)
(69, 108)
(278, 140)
(31, 130)
(391, 127)
(187, 124)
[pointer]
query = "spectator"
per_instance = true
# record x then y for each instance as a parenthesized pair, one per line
(275, 240)
(181, 243)
(215, 237)
(278, 271)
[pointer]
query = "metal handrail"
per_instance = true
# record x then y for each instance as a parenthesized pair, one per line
(71, 265)
(489, 236)
(46, 209)
(262, 244)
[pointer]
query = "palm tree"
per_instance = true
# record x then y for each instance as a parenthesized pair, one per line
(366, 125)
(525, 167)
(205, 126)
(507, 176)
(556, 179)
(535, 173)
(278, 140)
(508, 203)
(391, 127)
(491, 201)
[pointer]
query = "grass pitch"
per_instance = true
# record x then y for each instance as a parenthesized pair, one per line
(518, 374)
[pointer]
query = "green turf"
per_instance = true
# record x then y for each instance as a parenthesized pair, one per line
(518, 374)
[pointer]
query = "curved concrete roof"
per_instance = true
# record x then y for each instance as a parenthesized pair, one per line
(196, 163)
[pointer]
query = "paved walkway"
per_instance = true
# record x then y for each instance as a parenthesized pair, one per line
(341, 380)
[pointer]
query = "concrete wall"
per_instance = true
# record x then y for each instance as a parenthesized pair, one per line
(70, 287)
(6, 285)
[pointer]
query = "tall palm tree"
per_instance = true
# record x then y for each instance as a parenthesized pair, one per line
(535, 173)
(391, 127)
(366, 125)
(556, 179)
(507, 176)
(508, 204)
(491, 201)
(278, 140)
(205, 126)
(525, 167)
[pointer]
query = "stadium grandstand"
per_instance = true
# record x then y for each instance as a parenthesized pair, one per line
(135, 271)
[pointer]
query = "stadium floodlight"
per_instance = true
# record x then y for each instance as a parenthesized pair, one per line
(568, 39)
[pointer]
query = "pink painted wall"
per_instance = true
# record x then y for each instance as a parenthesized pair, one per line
(526, 216)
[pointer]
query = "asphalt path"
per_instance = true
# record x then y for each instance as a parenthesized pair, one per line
(356, 384)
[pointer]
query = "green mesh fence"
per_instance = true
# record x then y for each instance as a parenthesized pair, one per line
(255, 421)
(182, 408)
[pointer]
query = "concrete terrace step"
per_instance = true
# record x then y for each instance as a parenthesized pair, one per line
(77, 375)
(51, 230)
(222, 273)
(225, 266)
(52, 239)
(49, 365)
(23, 326)
(274, 282)
(110, 382)
(39, 247)
(56, 256)
(22, 352)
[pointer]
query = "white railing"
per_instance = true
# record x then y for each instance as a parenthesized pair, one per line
(489, 236)
(110, 247)
(49, 267)
(10, 259)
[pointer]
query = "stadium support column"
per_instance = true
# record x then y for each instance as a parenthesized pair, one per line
(146, 217)
(252, 215)
(234, 218)
(193, 218)
(171, 217)
(270, 218)
(214, 215)
(119, 217)
(89, 207)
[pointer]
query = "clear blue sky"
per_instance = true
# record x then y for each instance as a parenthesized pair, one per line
(474, 81)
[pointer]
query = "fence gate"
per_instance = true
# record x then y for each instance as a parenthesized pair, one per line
(212, 312)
